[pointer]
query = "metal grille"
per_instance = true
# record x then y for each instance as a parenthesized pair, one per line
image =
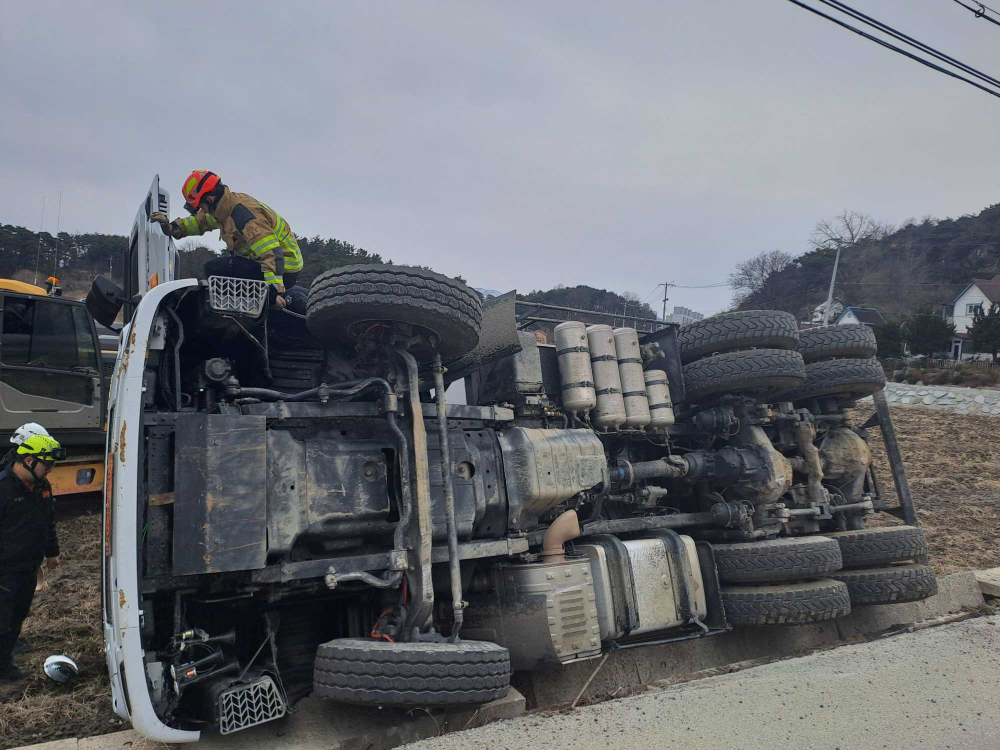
(247, 706)
(236, 296)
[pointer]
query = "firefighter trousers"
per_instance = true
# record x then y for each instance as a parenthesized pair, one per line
(17, 589)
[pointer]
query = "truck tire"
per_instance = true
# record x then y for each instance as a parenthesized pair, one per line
(786, 603)
(345, 302)
(757, 373)
(898, 583)
(868, 548)
(777, 559)
(372, 672)
(844, 341)
(744, 329)
(849, 379)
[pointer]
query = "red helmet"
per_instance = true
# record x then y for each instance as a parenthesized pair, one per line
(200, 183)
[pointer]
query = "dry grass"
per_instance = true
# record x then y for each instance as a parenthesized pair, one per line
(953, 465)
(65, 619)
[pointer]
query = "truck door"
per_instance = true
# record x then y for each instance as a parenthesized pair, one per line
(152, 256)
(49, 367)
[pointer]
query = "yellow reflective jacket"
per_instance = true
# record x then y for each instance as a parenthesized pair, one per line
(249, 228)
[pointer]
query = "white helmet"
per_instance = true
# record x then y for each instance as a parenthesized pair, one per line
(61, 669)
(26, 431)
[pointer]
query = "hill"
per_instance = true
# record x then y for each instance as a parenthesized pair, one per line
(898, 270)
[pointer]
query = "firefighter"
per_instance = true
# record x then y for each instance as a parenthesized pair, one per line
(27, 533)
(261, 244)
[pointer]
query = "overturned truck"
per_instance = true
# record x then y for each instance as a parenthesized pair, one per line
(293, 506)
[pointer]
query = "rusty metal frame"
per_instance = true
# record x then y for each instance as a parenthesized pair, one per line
(883, 420)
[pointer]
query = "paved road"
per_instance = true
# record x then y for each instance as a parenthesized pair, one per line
(936, 688)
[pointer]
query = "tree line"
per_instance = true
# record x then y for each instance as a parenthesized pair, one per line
(28, 255)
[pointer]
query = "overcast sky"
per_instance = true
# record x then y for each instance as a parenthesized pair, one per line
(521, 145)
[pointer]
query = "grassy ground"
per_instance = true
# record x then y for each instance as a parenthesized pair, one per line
(953, 463)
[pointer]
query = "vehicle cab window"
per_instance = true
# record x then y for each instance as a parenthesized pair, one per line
(47, 349)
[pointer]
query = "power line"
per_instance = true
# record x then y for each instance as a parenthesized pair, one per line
(894, 48)
(703, 286)
(900, 36)
(981, 11)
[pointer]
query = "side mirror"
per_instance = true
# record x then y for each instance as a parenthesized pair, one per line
(105, 300)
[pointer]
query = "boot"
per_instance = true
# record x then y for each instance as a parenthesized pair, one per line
(12, 673)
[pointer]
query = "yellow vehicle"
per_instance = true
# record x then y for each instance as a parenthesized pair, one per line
(51, 372)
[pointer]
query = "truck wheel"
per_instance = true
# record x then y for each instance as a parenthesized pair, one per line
(344, 304)
(844, 341)
(355, 670)
(849, 379)
(744, 329)
(786, 603)
(899, 583)
(756, 373)
(867, 548)
(777, 559)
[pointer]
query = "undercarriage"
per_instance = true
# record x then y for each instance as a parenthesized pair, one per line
(312, 515)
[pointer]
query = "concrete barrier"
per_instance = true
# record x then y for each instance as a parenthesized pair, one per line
(321, 725)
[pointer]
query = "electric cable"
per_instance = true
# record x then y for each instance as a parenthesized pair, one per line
(894, 48)
(900, 36)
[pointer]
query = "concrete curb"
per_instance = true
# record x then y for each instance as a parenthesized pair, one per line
(318, 725)
(989, 581)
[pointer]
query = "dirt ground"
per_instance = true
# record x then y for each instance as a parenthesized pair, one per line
(953, 464)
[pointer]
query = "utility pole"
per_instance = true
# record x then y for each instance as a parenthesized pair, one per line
(829, 296)
(38, 256)
(55, 258)
(666, 286)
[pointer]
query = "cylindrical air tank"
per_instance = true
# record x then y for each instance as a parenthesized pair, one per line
(661, 410)
(609, 414)
(575, 375)
(633, 383)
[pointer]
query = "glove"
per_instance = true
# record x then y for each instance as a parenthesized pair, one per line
(167, 226)
(276, 294)
(158, 217)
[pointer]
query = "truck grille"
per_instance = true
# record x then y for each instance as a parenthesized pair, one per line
(245, 706)
(236, 296)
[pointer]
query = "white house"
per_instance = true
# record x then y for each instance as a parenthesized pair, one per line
(819, 312)
(981, 293)
(868, 316)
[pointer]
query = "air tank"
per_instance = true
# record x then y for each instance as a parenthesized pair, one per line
(609, 414)
(633, 383)
(575, 375)
(661, 410)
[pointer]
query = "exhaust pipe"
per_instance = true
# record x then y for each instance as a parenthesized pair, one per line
(562, 530)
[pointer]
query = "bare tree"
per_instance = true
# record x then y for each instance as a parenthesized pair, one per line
(848, 228)
(750, 276)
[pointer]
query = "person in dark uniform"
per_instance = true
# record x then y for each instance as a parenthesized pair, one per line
(27, 534)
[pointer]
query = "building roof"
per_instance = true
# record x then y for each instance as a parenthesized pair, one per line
(989, 287)
(868, 315)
